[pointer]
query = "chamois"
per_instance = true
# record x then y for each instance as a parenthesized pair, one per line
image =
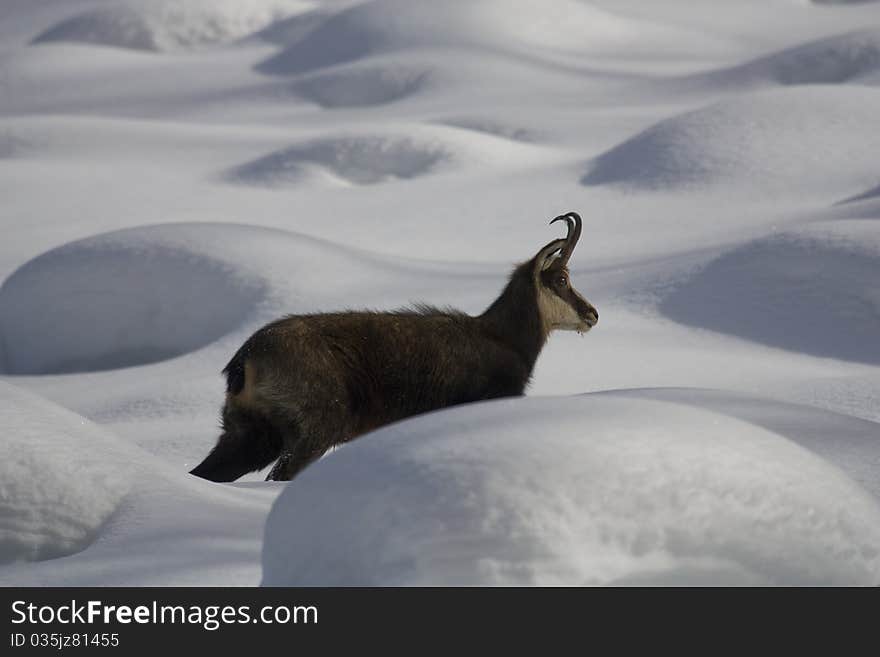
(304, 383)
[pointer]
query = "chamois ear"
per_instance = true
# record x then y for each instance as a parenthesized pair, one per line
(545, 256)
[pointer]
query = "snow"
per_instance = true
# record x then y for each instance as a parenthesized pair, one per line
(598, 489)
(362, 86)
(71, 488)
(175, 173)
(155, 301)
(358, 160)
(841, 58)
(802, 291)
(166, 25)
(63, 477)
(741, 141)
(565, 27)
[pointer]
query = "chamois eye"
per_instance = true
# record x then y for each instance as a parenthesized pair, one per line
(562, 281)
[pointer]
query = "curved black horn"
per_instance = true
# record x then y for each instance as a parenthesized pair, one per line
(573, 219)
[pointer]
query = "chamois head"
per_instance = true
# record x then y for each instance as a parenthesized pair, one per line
(561, 306)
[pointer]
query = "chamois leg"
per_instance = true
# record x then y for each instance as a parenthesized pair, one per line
(249, 442)
(292, 463)
(277, 473)
(298, 453)
(307, 435)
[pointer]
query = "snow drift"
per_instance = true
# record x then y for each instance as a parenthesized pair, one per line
(358, 160)
(813, 290)
(170, 25)
(11, 145)
(61, 478)
(117, 300)
(362, 86)
(587, 490)
(842, 58)
(819, 138)
(851, 444)
(867, 195)
(490, 127)
(383, 156)
(513, 26)
(68, 488)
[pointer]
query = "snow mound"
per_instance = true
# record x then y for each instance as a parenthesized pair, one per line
(122, 298)
(170, 25)
(11, 145)
(288, 31)
(850, 443)
(67, 487)
(380, 26)
(490, 127)
(819, 138)
(586, 490)
(812, 290)
(842, 58)
(61, 478)
(867, 195)
(362, 86)
(357, 160)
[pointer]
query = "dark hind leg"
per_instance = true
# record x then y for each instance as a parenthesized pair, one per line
(249, 442)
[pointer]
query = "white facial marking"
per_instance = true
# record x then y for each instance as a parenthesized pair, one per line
(556, 314)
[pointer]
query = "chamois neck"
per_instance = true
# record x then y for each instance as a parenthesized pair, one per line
(513, 317)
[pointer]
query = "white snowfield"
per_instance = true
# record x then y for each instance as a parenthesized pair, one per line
(175, 173)
(70, 488)
(596, 489)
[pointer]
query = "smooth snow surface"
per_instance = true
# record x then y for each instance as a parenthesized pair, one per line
(827, 141)
(591, 490)
(811, 291)
(165, 25)
(176, 173)
(362, 86)
(154, 299)
(67, 487)
(63, 477)
(827, 61)
(355, 160)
